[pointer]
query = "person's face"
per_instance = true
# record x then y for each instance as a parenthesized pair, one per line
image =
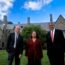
(51, 26)
(33, 34)
(17, 29)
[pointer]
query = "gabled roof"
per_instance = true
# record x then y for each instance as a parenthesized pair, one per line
(9, 22)
(60, 22)
(60, 18)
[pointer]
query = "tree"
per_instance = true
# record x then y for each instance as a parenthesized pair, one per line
(27, 30)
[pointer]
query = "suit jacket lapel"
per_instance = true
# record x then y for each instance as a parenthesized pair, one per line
(18, 37)
(13, 37)
(55, 35)
(50, 36)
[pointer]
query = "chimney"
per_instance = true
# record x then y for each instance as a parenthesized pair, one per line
(51, 19)
(5, 19)
(28, 20)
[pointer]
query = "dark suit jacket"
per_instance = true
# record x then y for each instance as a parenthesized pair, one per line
(34, 49)
(58, 44)
(10, 43)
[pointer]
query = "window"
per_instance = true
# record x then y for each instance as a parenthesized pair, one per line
(2, 44)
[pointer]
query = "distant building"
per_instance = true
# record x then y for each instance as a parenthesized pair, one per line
(6, 27)
(60, 24)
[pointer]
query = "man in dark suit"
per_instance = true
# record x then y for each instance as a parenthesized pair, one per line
(55, 45)
(15, 46)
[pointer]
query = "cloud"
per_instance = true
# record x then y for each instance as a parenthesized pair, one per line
(36, 5)
(5, 5)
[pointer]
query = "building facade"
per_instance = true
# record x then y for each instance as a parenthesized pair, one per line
(6, 27)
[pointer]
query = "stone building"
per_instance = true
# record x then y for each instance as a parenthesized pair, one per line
(60, 23)
(6, 27)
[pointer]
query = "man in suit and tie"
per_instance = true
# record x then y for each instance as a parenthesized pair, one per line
(15, 46)
(55, 45)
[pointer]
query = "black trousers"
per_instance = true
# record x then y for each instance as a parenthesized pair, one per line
(11, 56)
(34, 61)
(56, 58)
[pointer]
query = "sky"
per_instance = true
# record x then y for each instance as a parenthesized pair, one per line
(38, 10)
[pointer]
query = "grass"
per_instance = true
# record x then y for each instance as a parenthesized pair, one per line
(4, 55)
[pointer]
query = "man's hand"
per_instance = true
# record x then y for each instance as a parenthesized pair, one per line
(19, 55)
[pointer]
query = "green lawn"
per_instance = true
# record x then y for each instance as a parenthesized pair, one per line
(3, 58)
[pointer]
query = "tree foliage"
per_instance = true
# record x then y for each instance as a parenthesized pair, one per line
(27, 30)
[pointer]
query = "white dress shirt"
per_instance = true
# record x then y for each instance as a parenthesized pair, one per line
(15, 40)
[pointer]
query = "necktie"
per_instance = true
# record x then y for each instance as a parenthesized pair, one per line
(52, 36)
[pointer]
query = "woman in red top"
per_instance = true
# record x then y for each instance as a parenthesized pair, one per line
(34, 50)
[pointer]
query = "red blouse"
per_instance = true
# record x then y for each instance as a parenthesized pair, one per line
(34, 49)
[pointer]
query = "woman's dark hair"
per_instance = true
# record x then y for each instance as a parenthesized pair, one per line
(37, 36)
